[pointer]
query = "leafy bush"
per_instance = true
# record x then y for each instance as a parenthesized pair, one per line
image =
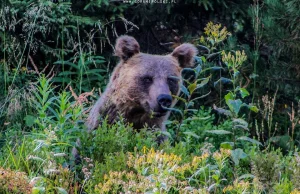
(14, 182)
(116, 158)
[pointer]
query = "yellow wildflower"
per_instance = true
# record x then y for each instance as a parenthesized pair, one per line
(24, 69)
(238, 187)
(295, 191)
(214, 34)
(234, 60)
(225, 152)
(229, 188)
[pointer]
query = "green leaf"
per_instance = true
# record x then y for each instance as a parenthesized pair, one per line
(190, 133)
(244, 138)
(38, 190)
(222, 111)
(229, 96)
(61, 79)
(198, 68)
(174, 110)
(240, 121)
(168, 122)
(227, 145)
(66, 73)
(61, 190)
(203, 82)
(87, 6)
(166, 133)
(241, 127)
(203, 96)
(238, 154)
(219, 132)
(184, 90)
(29, 120)
(215, 68)
(246, 176)
(98, 57)
(253, 76)
(244, 93)
(194, 118)
(281, 138)
(67, 63)
(223, 80)
(254, 108)
(145, 171)
(213, 55)
(94, 62)
(216, 177)
(192, 87)
(251, 107)
(235, 105)
(204, 47)
(179, 98)
(190, 104)
(93, 71)
(236, 73)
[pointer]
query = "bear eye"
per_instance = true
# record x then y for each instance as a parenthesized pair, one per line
(147, 80)
(172, 81)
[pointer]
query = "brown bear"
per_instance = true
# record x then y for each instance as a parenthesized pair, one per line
(142, 86)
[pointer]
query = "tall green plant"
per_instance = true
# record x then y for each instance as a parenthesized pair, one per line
(80, 73)
(233, 98)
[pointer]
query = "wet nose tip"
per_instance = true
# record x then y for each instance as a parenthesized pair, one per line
(164, 100)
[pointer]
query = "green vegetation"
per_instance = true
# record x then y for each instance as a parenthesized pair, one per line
(235, 128)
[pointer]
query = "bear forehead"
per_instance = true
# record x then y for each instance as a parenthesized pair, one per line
(156, 64)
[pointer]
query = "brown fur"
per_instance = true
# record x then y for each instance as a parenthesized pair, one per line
(131, 94)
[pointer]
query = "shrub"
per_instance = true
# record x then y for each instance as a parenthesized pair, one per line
(14, 182)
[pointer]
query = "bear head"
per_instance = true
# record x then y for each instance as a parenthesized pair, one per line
(143, 85)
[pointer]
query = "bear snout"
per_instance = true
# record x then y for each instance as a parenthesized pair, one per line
(164, 100)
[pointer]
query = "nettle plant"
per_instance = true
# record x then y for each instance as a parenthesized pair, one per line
(234, 97)
(80, 71)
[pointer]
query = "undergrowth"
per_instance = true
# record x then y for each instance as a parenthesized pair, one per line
(208, 150)
(118, 159)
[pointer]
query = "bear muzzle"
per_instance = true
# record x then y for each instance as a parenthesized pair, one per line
(164, 101)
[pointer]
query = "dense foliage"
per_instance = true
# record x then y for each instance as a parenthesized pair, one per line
(235, 128)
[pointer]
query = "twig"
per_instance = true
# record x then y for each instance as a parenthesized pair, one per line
(82, 97)
(34, 66)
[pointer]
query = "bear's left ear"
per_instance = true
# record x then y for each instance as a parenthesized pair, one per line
(185, 54)
(126, 47)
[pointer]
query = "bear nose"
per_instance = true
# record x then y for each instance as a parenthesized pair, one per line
(164, 100)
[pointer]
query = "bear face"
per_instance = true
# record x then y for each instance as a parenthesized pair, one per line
(147, 83)
(142, 85)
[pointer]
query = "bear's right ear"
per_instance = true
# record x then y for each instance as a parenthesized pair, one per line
(126, 47)
(185, 54)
